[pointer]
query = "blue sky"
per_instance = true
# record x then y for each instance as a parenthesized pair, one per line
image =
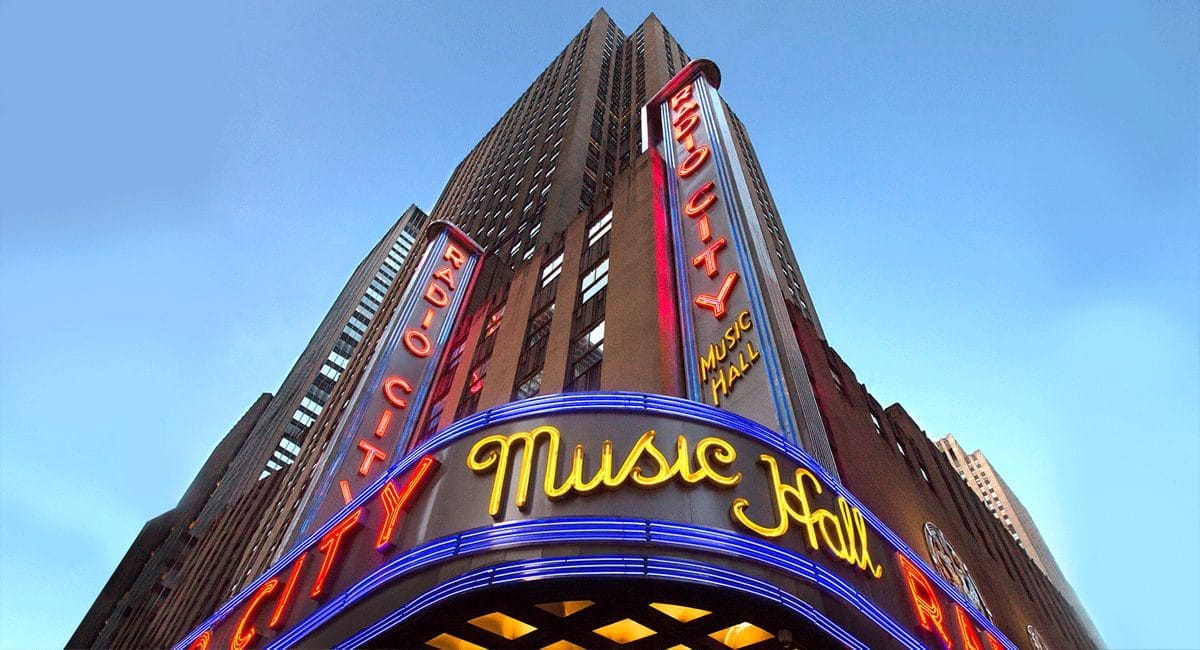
(995, 208)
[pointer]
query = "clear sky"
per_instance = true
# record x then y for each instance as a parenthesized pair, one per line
(996, 209)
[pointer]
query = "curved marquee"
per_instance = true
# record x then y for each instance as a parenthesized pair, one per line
(689, 493)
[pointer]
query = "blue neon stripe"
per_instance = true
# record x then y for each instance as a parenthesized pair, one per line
(603, 566)
(537, 533)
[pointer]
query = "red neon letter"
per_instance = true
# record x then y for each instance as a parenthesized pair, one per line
(717, 303)
(436, 295)
(243, 636)
(993, 644)
(396, 501)
(681, 95)
(370, 453)
(446, 274)
(708, 257)
(925, 603)
(454, 256)
(702, 199)
(693, 162)
(346, 496)
(685, 108)
(684, 125)
(385, 419)
(970, 639)
(286, 597)
(389, 391)
(329, 545)
(202, 641)
(417, 343)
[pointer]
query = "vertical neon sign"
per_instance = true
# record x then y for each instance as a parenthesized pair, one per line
(379, 425)
(739, 353)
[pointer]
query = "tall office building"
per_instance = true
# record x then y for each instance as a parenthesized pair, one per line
(597, 408)
(987, 484)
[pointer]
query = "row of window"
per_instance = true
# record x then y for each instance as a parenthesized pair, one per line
(318, 393)
(586, 354)
(501, 162)
(791, 278)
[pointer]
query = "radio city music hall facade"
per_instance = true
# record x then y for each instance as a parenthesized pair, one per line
(595, 408)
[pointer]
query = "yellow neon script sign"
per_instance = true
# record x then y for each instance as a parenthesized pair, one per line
(722, 376)
(844, 534)
(495, 454)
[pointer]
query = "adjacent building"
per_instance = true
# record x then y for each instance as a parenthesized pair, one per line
(987, 484)
(595, 407)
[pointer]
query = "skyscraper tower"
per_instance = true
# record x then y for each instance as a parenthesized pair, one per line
(597, 407)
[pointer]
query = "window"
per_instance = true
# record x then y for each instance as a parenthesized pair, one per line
(303, 418)
(311, 405)
(837, 380)
(592, 339)
(493, 322)
(478, 373)
(900, 446)
(587, 352)
(352, 332)
(530, 387)
(533, 356)
(552, 270)
(594, 281)
(432, 421)
(539, 326)
(877, 423)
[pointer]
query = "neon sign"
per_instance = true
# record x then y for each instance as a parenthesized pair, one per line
(725, 375)
(735, 331)
(389, 401)
(685, 116)
(843, 535)
(494, 454)
(297, 589)
(933, 618)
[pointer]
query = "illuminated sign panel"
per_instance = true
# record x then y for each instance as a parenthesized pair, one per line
(736, 338)
(715, 285)
(386, 405)
(654, 476)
